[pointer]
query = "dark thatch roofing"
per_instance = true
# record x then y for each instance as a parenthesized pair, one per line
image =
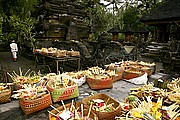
(168, 11)
(128, 29)
(114, 30)
(142, 30)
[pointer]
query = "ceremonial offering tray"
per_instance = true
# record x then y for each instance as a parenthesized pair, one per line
(5, 93)
(62, 89)
(132, 73)
(72, 111)
(105, 107)
(32, 106)
(33, 98)
(77, 77)
(29, 77)
(100, 83)
(98, 78)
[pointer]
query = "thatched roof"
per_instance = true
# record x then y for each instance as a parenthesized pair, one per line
(167, 12)
(114, 30)
(128, 29)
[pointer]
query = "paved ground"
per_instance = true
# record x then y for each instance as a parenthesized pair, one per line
(11, 110)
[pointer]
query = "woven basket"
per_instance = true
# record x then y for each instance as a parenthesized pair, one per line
(153, 67)
(73, 53)
(5, 96)
(104, 115)
(32, 106)
(148, 70)
(99, 84)
(63, 93)
(129, 75)
(117, 77)
(60, 53)
(77, 105)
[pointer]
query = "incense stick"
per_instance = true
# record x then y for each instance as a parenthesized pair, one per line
(82, 110)
(71, 105)
(107, 101)
(52, 113)
(55, 109)
(89, 110)
(63, 104)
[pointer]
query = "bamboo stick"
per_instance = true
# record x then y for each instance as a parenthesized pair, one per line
(63, 105)
(82, 110)
(55, 109)
(89, 110)
(71, 105)
(6, 83)
(52, 113)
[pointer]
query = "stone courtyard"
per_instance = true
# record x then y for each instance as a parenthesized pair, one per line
(12, 110)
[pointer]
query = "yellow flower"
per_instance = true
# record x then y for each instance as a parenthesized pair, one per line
(136, 114)
(159, 104)
(158, 115)
(155, 107)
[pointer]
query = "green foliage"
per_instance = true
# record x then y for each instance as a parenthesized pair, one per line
(16, 12)
(17, 15)
(23, 27)
(131, 17)
(98, 18)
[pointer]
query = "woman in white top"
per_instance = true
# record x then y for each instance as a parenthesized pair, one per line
(14, 50)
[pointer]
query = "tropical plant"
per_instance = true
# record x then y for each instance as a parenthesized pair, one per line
(16, 17)
(23, 28)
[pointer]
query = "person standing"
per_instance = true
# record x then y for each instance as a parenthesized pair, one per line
(14, 50)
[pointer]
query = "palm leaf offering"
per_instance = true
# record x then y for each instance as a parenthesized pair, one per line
(149, 110)
(60, 81)
(101, 105)
(150, 103)
(148, 90)
(3, 88)
(98, 73)
(146, 64)
(174, 84)
(30, 92)
(73, 111)
(78, 77)
(29, 77)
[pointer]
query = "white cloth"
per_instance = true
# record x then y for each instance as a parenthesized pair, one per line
(139, 80)
(14, 49)
(14, 54)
